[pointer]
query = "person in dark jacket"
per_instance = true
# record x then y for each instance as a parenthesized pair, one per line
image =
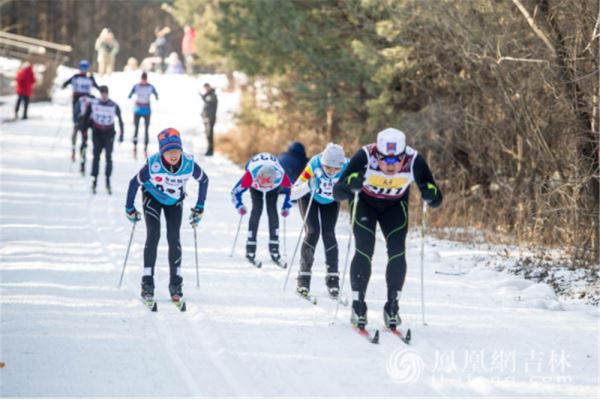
(294, 160)
(100, 115)
(209, 115)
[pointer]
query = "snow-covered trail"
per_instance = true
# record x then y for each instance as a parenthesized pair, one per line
(67, 331)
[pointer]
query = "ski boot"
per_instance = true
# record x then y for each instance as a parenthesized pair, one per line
(391, 318)
(147, 290)
(250, 257)
(108, 189)
(145, 152)
(302, 291)
(73, 154)
(94, 181)
(359, 314)
(333, 286)
(82, 169)
(276, 257)
(176, 292)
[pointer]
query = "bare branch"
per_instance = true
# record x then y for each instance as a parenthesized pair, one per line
(531, 60)
(595, 34)
(538, 31)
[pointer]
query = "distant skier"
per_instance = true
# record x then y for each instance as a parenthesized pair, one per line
(382, 173)
(82, 84)
(81, 126)
(143, 92)
(264, 177)
(163, 179)
(101, 114)
(293, 160)
(317, 180)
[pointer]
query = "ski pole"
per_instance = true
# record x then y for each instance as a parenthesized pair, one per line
(310, 201)
(236, 236)
(284, 240)
(423, 222)
(127, 254)
(352, 219)
(196, 254)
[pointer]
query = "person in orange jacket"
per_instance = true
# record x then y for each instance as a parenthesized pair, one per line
(25, 80)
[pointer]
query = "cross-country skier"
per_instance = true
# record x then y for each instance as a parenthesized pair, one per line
(317, 180)
(80, 126)
(264, 177)
(143, 91)
(82, 84)
(382, 173)
(163, 179)
(101, 115)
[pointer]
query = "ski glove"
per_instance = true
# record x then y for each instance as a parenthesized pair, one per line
(133, 215)
(355, 182)
(432, 195)
(196, 216)
(285, 210)
(242, 210)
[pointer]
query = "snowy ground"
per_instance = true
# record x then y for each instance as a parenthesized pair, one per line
(67, 331)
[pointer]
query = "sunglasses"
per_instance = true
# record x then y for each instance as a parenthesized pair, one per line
(389, 159)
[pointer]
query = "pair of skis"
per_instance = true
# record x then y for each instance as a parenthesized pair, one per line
(258, 264)
(313, 299)
(373, 336)
(152, 305)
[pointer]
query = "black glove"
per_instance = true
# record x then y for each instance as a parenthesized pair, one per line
(355, 182)
(432, 195)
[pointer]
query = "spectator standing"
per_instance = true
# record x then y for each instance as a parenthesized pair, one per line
(25, 80)
(209, 115)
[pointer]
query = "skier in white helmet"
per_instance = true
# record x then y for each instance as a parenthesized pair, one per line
(264, 177)
(318, 178)
(382, 173)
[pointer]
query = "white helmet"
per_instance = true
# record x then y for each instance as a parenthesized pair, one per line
(266, 176)
(391, 142)
(333, 156)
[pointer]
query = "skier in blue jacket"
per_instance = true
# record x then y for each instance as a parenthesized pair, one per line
(163, 179)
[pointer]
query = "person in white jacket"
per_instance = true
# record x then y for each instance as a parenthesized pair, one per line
(107, 47)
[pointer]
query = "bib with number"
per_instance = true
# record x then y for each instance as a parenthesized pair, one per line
(324, 183)
(143, 93)
(104, 113)
(81, 84)
(378, 184)
(165, 186)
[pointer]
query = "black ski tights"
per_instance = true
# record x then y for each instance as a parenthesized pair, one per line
(393, 220)
(257, 207)
(328, 214)
(173, 215)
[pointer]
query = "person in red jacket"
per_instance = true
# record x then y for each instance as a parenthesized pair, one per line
(25, 80)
